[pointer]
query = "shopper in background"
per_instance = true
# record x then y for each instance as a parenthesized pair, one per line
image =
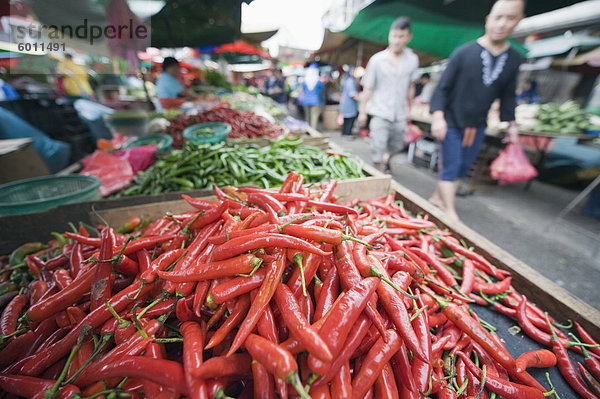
(477, 73)
(349, 102)
(168, 85)
(388, 92)
(275, 87)
(74, 78)
(528, 94)
(310, 96)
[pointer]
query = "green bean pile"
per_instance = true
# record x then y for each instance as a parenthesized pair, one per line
(198, 166)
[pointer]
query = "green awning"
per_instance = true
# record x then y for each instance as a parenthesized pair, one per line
(434, 31)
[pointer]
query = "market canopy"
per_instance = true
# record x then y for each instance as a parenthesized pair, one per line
(438, 26)
(195, 23)
(561, 44)
(240, 47)
(338, 49)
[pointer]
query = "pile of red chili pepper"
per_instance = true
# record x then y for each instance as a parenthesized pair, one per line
(266, 293)
(244, 124)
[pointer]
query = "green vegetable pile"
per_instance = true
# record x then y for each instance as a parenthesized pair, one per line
(567, 118)
(198, 166)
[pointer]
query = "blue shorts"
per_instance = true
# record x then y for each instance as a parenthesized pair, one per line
(458, 152)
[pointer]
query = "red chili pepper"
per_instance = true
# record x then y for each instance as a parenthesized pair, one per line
(171, 373)
(374, 362)
(161, 263)
(299, 326)
(195, 248)
(222, 238)
(265, 293)
(102, 285)
(468, 275)
(83, 239)
(540, 358)
(239, 245)
(591, 362)
(26, 386)
(263, 382)
(355, 337)
(385, 384)
(493, 288)
(264, 200)
(237, 365)
(587, 338)
(341, 385)
(267, 329)
(487, 266)
(276, 360)
(48, 356)
(242, 264)
(11, 313)
(242, 304)
(329, 207)
(566, 368)
(504, 388)
(590, 381)
(18, 347)
(193, 346)
(209, 216)
(422, 368)
(75, 260)
(404, 370)
(471, 327)
(237, 286)
(329, 294)
(62, 278)
(341, 317)
(59, 301)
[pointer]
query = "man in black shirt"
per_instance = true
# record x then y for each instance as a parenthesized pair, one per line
(477, 73)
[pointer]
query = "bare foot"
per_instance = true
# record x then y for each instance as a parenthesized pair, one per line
(436, 202)
(454, 217)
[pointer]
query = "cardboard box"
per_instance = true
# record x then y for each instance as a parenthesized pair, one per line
(19, 160)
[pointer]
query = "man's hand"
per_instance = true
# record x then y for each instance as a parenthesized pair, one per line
(512, 133)
(439, 127)
(362, 119)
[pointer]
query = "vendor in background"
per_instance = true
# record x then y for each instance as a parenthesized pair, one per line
(528, 94)
(477, 73)
(167, 84)
(310, 95)
(423, 80)
(349, 102)
(275, 87)
(75, 81)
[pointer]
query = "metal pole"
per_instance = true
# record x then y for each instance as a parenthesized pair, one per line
(359, 53)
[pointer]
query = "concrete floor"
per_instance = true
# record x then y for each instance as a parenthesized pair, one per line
(519, 221)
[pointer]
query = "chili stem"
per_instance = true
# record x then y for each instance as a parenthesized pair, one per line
(376, 273)
(298, 259)
(482, 386)
(53, 392)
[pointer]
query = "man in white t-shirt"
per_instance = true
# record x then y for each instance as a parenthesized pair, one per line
(388, 93)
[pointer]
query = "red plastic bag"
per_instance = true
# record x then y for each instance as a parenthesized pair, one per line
(512, 165)
(140, 158)
(412, 134)
(115, 173)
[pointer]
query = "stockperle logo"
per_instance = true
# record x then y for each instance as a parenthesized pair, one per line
(83, 31)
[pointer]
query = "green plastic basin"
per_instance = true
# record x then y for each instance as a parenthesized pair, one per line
(162, 142)
(42, 193)
(207, 133)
